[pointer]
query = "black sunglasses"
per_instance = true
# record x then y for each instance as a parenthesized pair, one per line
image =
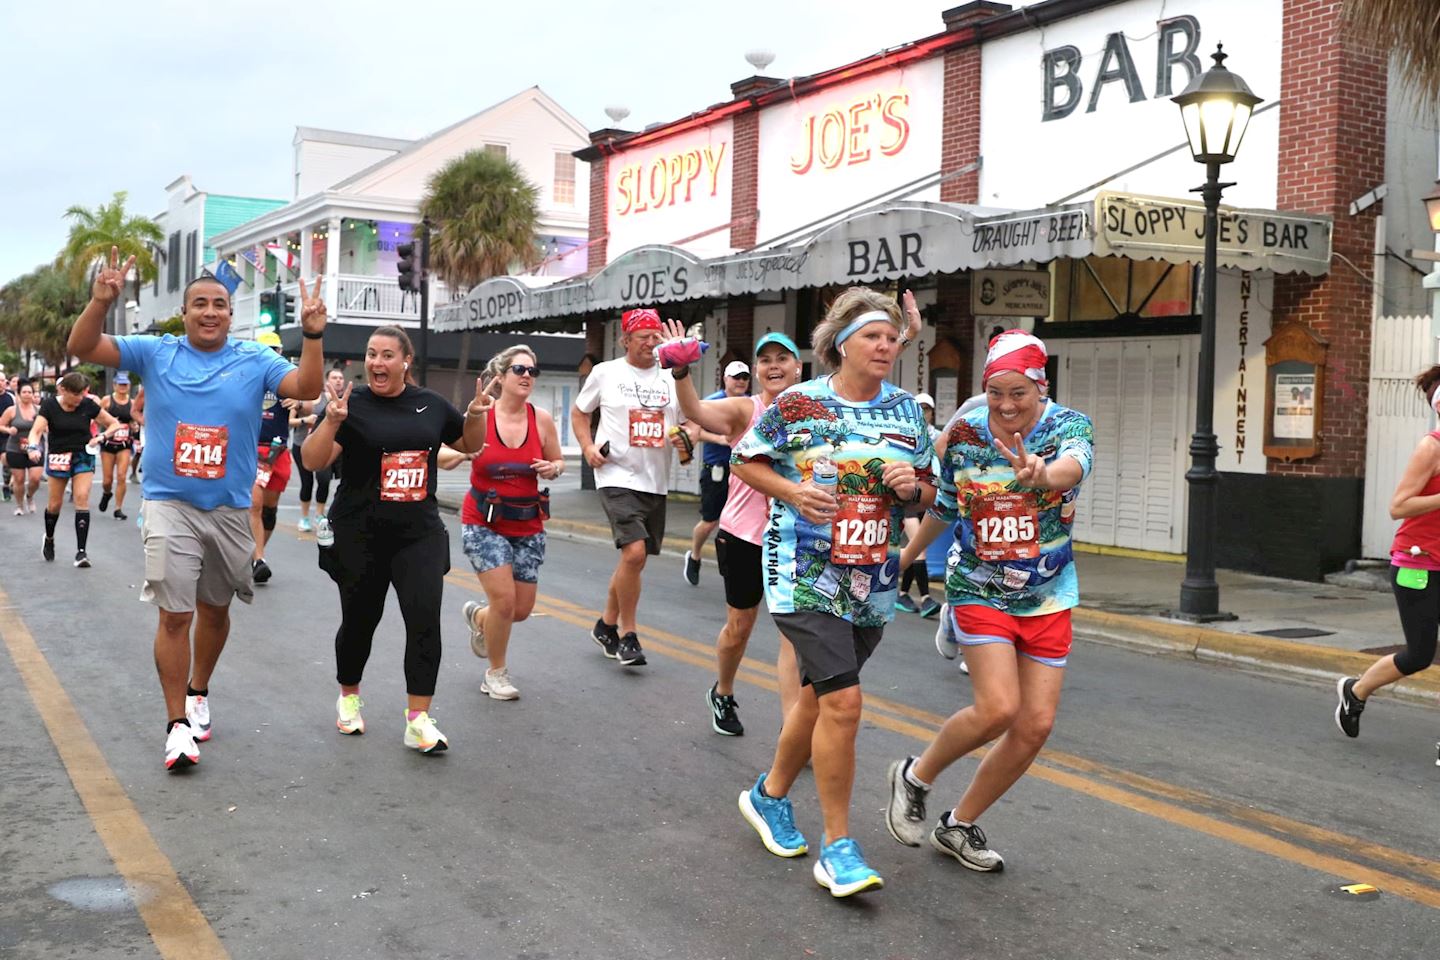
(521, 370)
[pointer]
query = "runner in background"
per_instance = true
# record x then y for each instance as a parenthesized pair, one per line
(636, 400)
(65, 421)
(1010, 476)
(115, 453)
(504, 513)
(303, 418)
(918, 573)
(16, 422)
(714, 470)
(272, 472)
(9, 396)
(742, 525)
(843, 457)
(1414, 572)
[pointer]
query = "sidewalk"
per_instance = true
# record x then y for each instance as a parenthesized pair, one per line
(1291, 627)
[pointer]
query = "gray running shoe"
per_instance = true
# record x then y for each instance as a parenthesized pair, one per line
(905, 814)
(968, 845)
(477, 634)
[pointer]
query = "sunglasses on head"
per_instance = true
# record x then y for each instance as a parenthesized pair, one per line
(521, 370)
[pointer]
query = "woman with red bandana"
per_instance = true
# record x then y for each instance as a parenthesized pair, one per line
(1010, 474)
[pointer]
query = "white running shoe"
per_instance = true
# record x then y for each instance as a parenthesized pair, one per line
(477, 634)
(197, 711)
(945, 641)
(349, 720)
(497, 684)
(180, 749)
(422, 734)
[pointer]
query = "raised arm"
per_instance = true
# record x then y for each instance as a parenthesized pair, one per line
(308, 377)
(88, 339)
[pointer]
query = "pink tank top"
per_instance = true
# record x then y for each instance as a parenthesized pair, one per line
(747, 511)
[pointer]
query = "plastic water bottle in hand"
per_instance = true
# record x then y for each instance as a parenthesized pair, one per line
(679, 353)
(825, 475)
(324, 536)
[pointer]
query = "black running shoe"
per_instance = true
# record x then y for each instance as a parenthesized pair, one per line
(47, 548)
(260, 571)
(629, 653)
(80, 559)
(105, 501)
(1347, 712)
(724, 714)
(121, 515)
(692, 569)
(608, 638)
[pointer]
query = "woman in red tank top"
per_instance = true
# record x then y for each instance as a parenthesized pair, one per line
(504, 512)
(1414, 571)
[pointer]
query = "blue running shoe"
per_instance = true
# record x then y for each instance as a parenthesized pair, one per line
(774, 820)
(843, 871)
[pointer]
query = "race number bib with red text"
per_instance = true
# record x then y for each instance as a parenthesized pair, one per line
(1007, 527)
(58, 462)
(860, 534)
(121, 435)
(262, 475)
(404, 476)
(201, 451)
(647, 427)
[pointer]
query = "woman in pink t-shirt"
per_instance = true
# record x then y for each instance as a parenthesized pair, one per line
(1414, 571)
(742, 525)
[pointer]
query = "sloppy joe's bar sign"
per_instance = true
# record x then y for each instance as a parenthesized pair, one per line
(671, 190)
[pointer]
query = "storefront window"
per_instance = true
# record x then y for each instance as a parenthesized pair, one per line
(1111, 288)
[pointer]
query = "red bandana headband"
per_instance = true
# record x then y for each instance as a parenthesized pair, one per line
(632, 320)
(1016, 351)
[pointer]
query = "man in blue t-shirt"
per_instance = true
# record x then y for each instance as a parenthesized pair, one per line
(203, 393)
(714, 470)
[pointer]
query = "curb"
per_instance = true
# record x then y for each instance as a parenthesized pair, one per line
(1247, 651)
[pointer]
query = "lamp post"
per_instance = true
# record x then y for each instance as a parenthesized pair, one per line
(1216, 108)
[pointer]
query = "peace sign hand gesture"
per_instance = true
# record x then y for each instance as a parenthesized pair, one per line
(111, 279)
(484, 398)
(1030, 468)
(337, 406)
(312, 308)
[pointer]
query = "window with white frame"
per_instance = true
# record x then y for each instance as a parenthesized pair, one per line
(564, 191)
(497, 148)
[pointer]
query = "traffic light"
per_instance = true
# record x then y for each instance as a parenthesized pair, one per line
(269, 310)
(409, 268)
(287, 308)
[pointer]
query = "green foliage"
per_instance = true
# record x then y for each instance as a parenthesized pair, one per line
(172, 325)
(94, 232)
(485, 214)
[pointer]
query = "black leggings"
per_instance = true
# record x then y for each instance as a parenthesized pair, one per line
(371, 563)
(318, 479)
(1420, 620)
(917, 572)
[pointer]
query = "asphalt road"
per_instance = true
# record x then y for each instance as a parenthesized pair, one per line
(1181, 809)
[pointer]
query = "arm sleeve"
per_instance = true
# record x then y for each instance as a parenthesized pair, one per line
(136, 351)
(454, 424)
(589, 397)
(1077, 441)
(765, 441)
(276, 371)
(946, 506)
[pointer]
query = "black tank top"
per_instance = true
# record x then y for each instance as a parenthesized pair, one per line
(121, 411)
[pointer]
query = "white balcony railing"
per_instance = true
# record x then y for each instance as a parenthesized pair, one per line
(380, 298)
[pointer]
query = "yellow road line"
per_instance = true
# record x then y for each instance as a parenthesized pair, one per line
(1133, 791)
(177, 926)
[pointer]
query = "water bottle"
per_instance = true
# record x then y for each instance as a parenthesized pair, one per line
(825, 475)
(324, 536)
(679, 353)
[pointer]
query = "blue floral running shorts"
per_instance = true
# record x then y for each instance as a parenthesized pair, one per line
(488, 550)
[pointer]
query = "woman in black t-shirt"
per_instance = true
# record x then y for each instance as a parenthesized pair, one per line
(386, 521)
(65, 420)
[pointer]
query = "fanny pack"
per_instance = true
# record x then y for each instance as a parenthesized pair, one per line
(494, 507)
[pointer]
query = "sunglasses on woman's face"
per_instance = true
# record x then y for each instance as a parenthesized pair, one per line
(521, 370)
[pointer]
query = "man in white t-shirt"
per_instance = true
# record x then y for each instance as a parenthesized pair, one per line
(631, 457)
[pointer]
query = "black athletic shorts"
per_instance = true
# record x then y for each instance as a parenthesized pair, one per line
(713, 493)
(740, 564)
(18, 461)
(831, 651)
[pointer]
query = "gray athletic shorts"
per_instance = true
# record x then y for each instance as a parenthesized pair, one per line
(635, 515)
(831, 651)
(193, 554)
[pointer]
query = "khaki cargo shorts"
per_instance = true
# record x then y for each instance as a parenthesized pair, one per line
(193, 554)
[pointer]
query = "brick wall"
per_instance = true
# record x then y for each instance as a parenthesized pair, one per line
(1332, 150)
(599, 222)
(960, 135)
(745, 174)
(740, 326)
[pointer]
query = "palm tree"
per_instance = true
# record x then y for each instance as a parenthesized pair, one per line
(485, 214)
(94, 232)
(49, 302)
(1410, 30)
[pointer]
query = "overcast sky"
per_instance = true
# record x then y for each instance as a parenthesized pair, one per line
(100, 98)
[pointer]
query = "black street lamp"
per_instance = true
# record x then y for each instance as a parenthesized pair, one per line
(1216, 108)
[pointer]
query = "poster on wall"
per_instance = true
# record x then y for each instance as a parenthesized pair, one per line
(1294, 406)
(1010, 293)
